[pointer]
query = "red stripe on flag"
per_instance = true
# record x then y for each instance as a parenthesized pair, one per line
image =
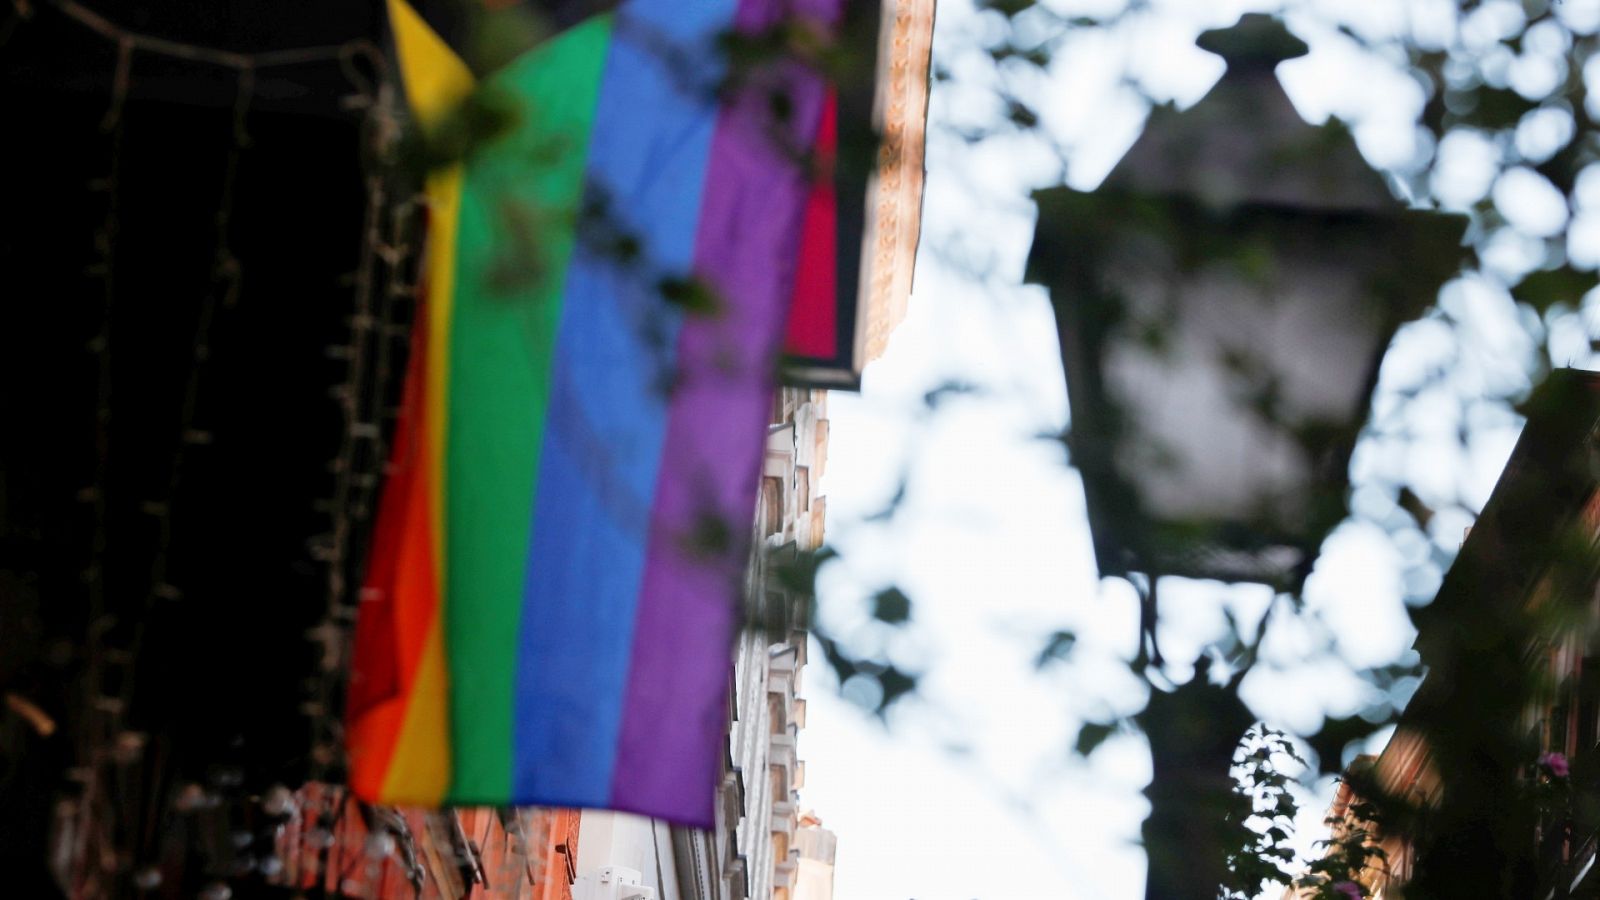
(813, 327)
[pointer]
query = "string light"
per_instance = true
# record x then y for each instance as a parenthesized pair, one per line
(159, 46)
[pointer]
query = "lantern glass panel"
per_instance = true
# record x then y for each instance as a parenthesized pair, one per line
(1249, 360)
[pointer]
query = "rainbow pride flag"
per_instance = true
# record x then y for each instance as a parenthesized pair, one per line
(548, 611)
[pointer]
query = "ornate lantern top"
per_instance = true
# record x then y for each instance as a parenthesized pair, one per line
(1256, 39)
(1244, 142)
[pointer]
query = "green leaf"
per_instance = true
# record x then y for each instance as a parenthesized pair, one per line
(891, 605)
(691, 295)
(1329, 743)
(1499, 108)
(798, 574)
(895, 684)
(1542, 290)
(1056, 649)
(1007, 8)
(1021, 115)
(1092, 735)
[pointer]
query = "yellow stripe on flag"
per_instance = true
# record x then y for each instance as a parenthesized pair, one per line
(436, 81)
(419, 770)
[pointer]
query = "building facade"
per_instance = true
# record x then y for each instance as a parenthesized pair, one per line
(817, 846)
(1495, 762)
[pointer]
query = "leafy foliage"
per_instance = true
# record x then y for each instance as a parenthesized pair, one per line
(1260, 825)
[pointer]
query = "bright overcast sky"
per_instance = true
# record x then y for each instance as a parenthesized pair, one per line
(974, 792)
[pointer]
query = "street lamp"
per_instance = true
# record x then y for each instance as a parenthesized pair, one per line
(1223, 302)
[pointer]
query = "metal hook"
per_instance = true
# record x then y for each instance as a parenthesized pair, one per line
(354, 51)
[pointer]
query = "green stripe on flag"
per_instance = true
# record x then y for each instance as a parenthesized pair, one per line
(517, 233)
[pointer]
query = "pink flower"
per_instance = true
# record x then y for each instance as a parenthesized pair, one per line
(1554, 764)
(1349, 889)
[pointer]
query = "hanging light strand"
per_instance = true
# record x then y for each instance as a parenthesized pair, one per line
(114, 758)
(90, 816)
(377, 323)
(361, 399)
(161, 46)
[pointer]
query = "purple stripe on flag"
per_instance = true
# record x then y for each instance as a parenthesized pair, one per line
(674, 718)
